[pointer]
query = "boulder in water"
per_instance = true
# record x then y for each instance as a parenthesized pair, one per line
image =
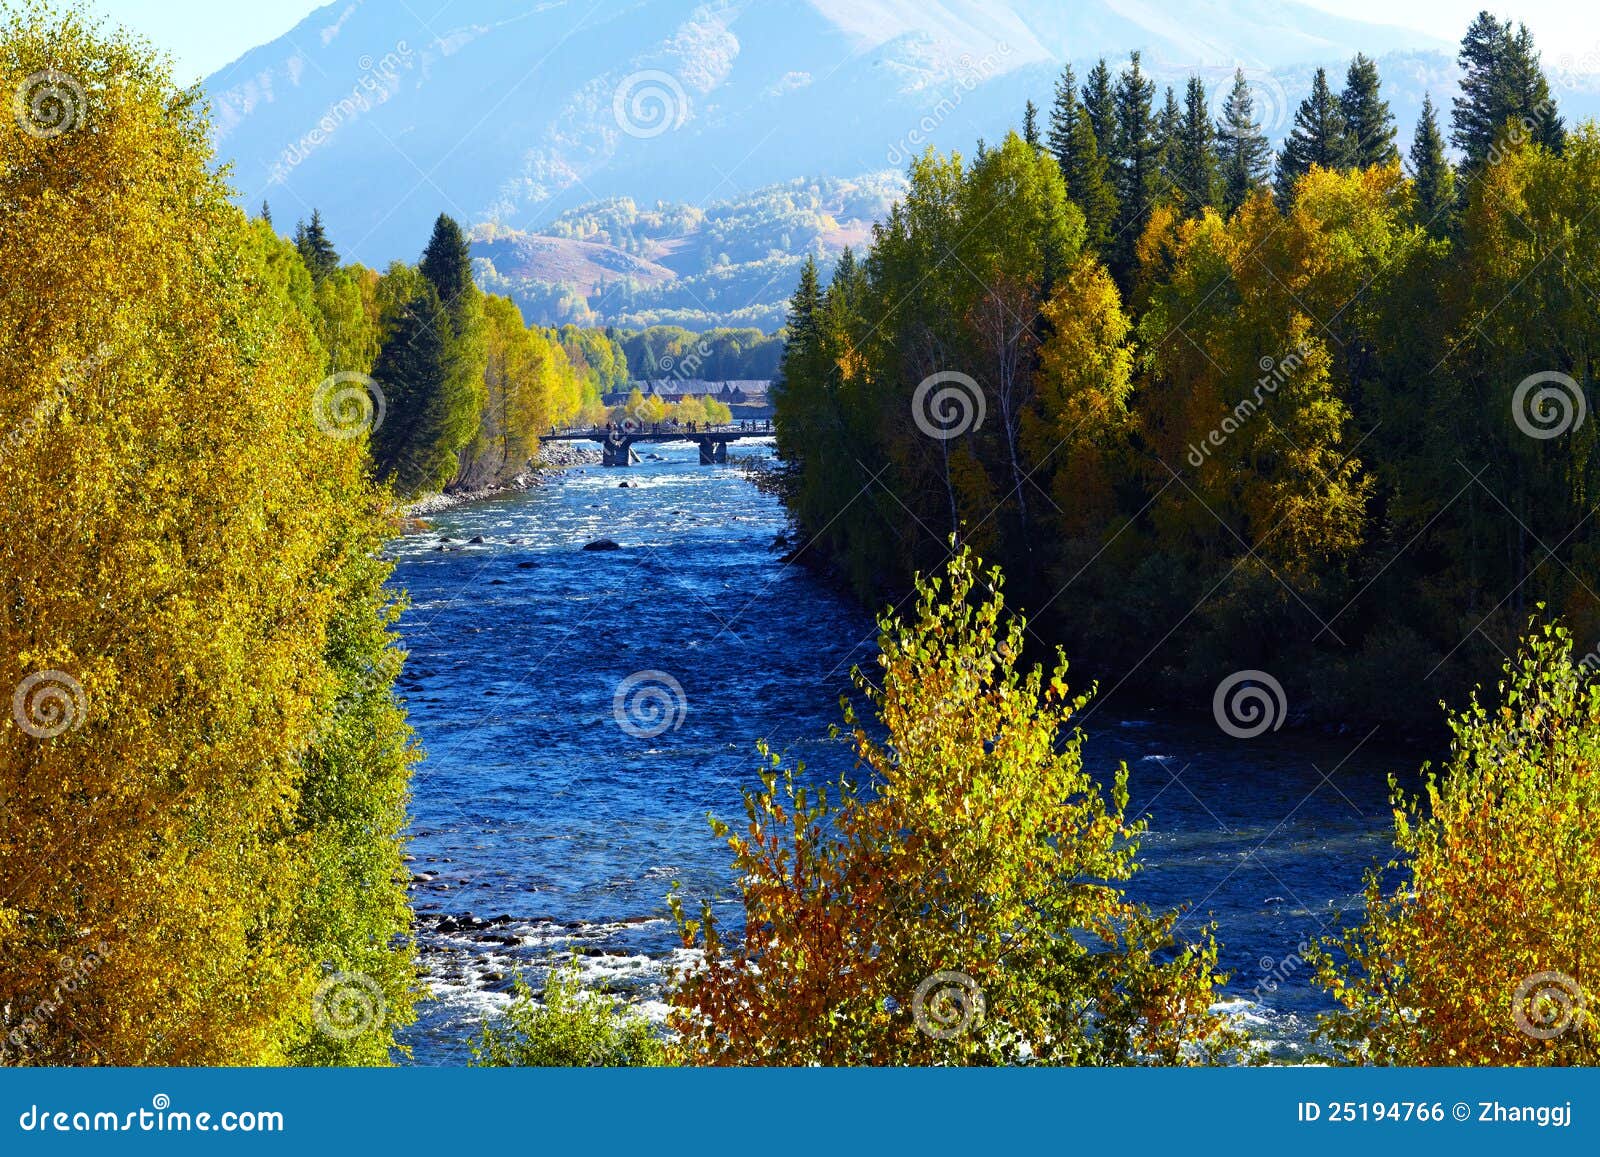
(601, 544)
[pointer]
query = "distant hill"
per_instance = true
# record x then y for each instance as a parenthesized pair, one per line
(533, 115)
(732, 263)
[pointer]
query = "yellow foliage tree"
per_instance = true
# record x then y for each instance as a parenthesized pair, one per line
(182, 532)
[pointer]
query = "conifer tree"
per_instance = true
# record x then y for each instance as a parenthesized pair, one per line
(1168, 127)
(1194, 159)
(266, 212)
(1430, 171)
(1501, 82)
(315, 248)
(447, 261)
(1088, 179)
(1243, 154)
(1030, 124)
(1063, 116)
(411, 449)
(1317, 138)
(1138, 151)
(1368, 124)
(1099, 101)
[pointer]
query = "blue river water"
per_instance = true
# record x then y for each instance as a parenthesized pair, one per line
(541, 827)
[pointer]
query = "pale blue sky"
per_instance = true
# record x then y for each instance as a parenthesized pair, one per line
(201, 40)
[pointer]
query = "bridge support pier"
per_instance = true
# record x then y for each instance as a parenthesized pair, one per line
(713, 452)
(613, 453)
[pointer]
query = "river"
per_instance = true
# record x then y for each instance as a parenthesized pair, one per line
(540, 826)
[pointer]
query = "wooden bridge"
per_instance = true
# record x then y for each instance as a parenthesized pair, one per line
(617, 438)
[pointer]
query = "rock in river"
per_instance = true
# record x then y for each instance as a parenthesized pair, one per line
(601, 544)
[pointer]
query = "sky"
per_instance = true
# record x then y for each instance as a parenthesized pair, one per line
(201, 42)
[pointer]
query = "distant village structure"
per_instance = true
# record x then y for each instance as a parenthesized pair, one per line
(747, 398)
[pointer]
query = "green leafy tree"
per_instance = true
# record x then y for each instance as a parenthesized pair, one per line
(902, 926)
(570, 1027)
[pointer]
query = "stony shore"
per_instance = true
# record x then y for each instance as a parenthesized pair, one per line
(554, 457)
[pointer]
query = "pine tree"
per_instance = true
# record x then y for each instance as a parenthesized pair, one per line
(1063, 117)
(1088, 181)
(1317, 138)
(1100, 102)
(1430, 171)
(315, 248)
(1194, 161)
(266, 212)
(1501, 81)
(1030, 124)
(411, 450)
(801, 324)
(1169, 126)
(447, 261)
(1243, 154)
(1369, 126)
(1138, 172)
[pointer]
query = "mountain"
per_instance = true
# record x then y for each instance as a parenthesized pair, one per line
(522, 113)
(732, 263)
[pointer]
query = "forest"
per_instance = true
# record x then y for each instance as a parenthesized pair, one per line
(1320, 413)
(1124, 386)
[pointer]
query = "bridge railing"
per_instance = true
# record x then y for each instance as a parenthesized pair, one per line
(658, 429)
